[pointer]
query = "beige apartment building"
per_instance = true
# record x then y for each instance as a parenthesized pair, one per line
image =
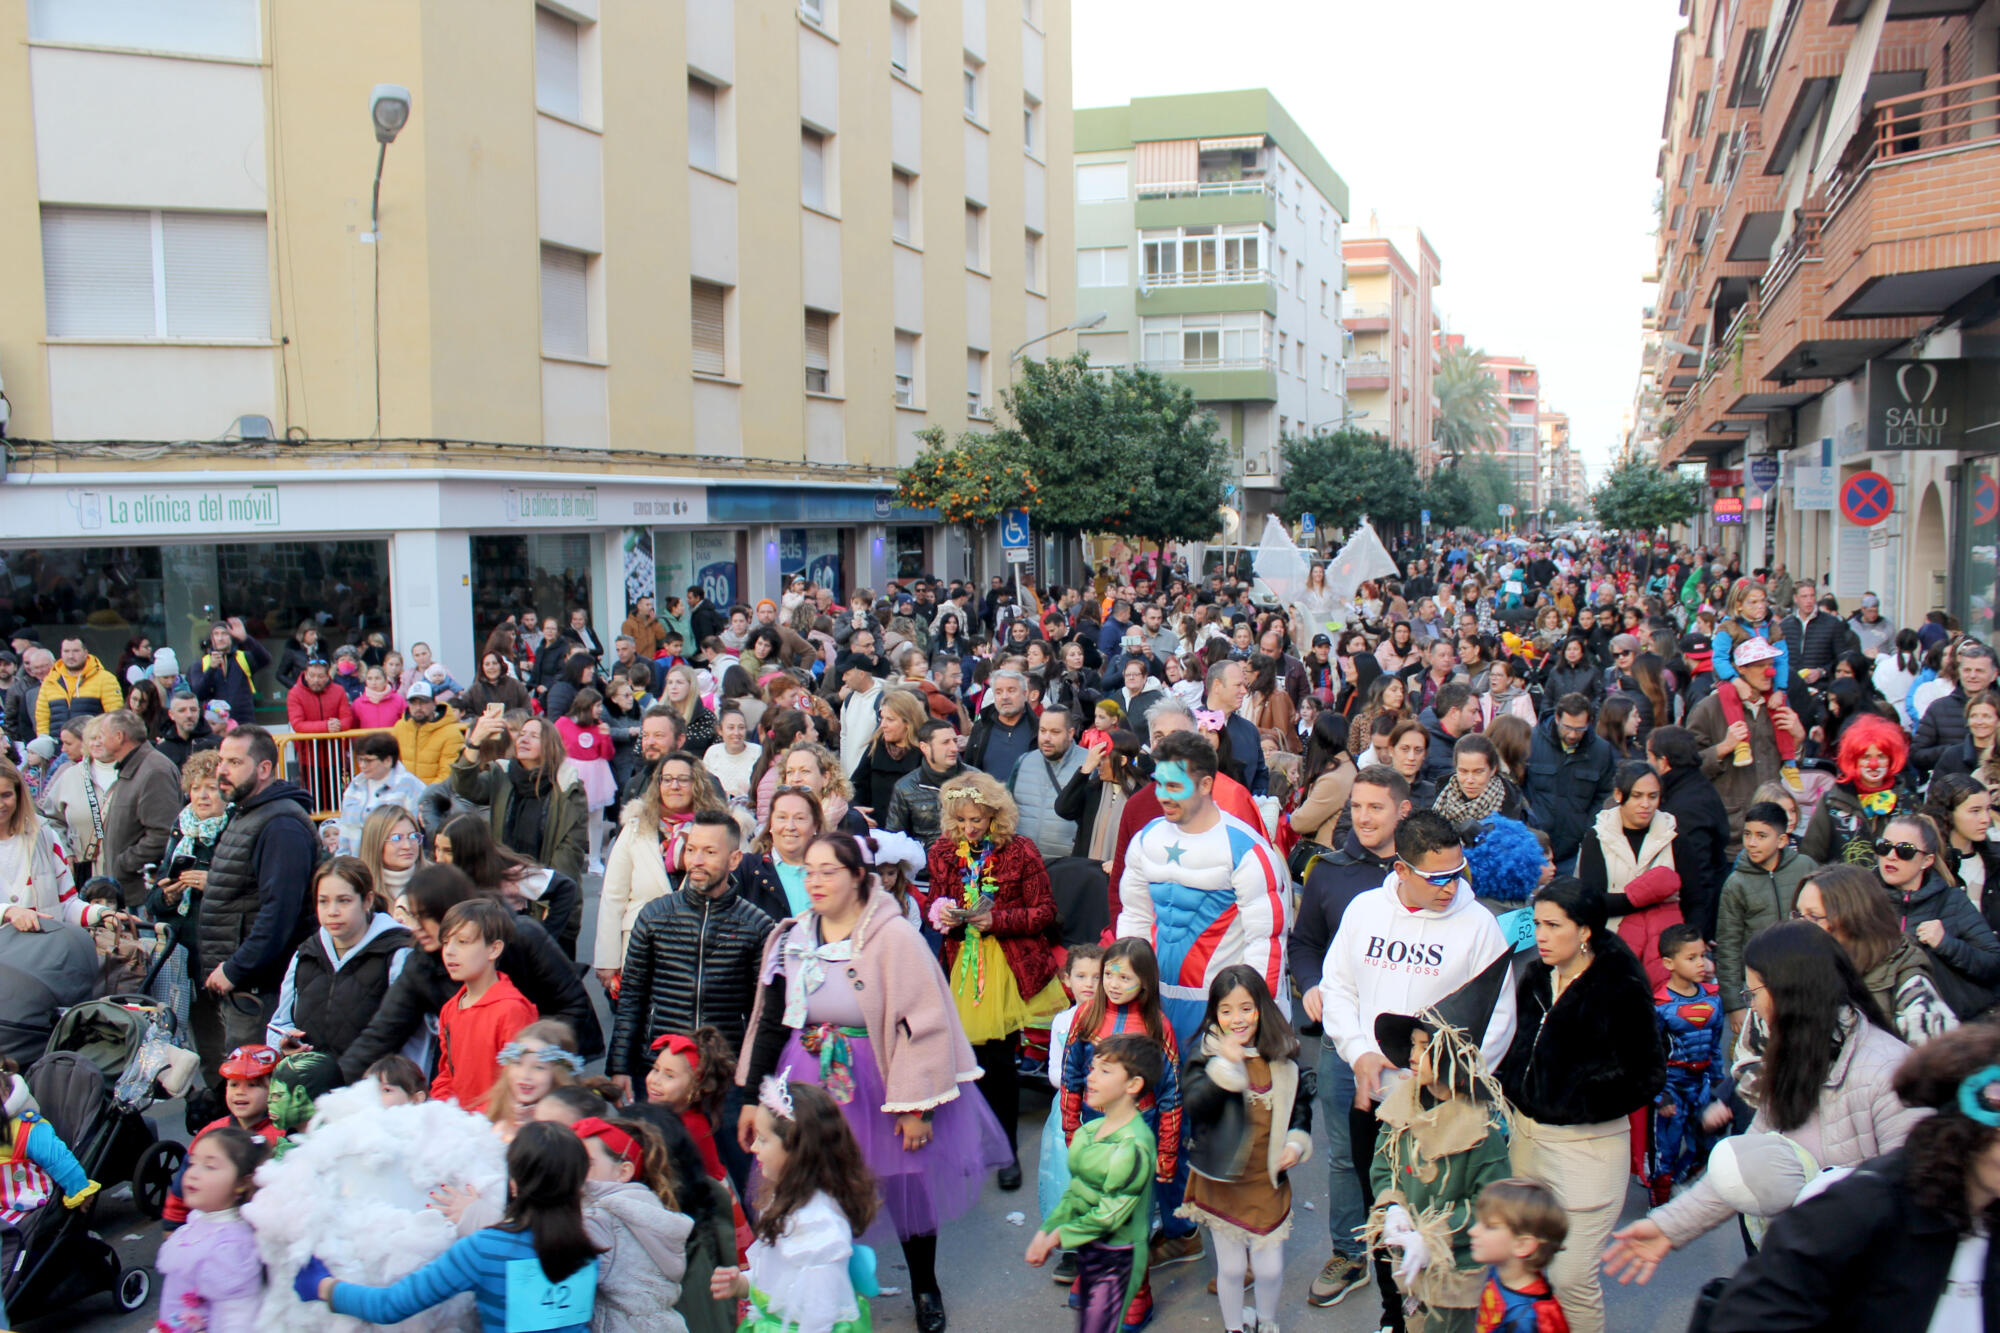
(1392, 319)
(656, 294)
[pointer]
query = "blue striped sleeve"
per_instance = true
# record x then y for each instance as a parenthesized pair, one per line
(466, 1266)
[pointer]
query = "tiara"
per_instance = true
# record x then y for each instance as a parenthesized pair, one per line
(514, 1052)
(774, 1094)
(964, 791)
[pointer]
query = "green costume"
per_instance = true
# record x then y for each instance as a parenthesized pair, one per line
(1110, 1194)
(299, 1081)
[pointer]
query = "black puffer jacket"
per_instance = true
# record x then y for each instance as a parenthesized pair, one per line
(1592, 1057)
(332, 1005)
(1586, 679)
(691, 962)
(1941, 728)
(1966, 963)
(254, 911)
(913, 805)
(532, 961)
(1565, 788)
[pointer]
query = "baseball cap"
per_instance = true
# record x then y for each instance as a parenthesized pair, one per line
(420, 690)
(1870, 600)
(1322, 641)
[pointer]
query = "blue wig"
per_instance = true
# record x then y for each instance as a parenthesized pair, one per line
(1504, 859)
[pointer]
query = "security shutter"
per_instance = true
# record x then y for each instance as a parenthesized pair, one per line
(565, 303)
(702, 143)
(819, 350)
(97, 266)
(710, 347)
(217, 283)
(557, 85)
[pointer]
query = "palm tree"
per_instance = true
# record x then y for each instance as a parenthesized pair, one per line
(1469, 413)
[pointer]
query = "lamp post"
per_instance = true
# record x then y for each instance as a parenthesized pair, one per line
(388, 112)
(1087, 322)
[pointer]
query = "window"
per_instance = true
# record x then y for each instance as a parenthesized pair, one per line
(1322, 224)
(1299, 368)
(1031, 126)
(185, 27)
(1322, 296)
(1033, 270)
(1284, 261)
(814, 10)
(972, 89)
(901, 40)
(975, 382)
(704, 143)
(906, 369)
(812, 169)
(1299, 278)
(558, 67)
(819, 351)
(1284, 349)
(1102, 183)
(565, 302)
(903, 205)
(1325, 372)
(1105, 267)
(1031, 12)
(1205, 342)
(1197, 255)
(975, 237)
(136, 273)
(711, 345)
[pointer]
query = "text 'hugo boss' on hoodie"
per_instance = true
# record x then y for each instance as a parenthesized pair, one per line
(1387, 959)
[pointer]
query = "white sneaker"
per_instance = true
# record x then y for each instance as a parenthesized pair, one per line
(1264, 1325)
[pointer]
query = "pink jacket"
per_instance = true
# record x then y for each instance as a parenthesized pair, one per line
(1655, 896)
(906, 1004)
(584, 743)
(376, 715)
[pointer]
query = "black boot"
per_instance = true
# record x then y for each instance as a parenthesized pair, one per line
(930, 1312)
(1010, 1176)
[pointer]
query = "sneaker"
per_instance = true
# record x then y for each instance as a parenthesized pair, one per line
(1343, 1274)
(1267, 1326)
(1065, 1270)
(1169, 1250)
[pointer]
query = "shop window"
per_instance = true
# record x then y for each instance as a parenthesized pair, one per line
(910, 560)
(685, 559)
(169, 595)
(814, 552)
(546, 573)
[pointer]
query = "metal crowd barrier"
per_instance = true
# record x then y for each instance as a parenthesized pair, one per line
(322, 762)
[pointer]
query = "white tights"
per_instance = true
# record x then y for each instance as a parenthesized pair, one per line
(1232, 1260)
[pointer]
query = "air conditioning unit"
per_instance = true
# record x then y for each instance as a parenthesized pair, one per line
(1256, 465)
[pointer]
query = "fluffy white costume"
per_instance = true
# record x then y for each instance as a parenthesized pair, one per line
(355, 1190)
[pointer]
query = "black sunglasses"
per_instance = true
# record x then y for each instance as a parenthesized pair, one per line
(1907, 851)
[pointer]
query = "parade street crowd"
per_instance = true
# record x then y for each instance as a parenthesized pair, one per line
(1488, 888)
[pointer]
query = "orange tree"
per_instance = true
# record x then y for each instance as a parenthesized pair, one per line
(970, 481)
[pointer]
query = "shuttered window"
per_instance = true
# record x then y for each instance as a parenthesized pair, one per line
(558, 81)
(975, 382)
(132, 273)
(902, 205)
(812, 168)
(899, 41)
(906, 369)
(819, 351)
(186, 27)
(711, 354)
(565, 302)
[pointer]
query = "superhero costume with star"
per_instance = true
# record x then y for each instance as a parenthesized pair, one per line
(1692, 1026)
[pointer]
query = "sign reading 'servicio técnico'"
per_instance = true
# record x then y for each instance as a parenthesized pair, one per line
(1945, 404)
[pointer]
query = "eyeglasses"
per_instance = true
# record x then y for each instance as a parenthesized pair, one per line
(1748, 994)
(1817, 918)
(1440, 879)
(404, 837)
(676, 780)
(1902, 851)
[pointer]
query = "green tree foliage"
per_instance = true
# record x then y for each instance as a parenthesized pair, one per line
(1341, 476)
(1124, 451)
(1469, 492)
(1639, 496)
(1470, 417)
(969, 481)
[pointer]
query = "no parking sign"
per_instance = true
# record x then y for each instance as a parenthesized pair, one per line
(1867, 499)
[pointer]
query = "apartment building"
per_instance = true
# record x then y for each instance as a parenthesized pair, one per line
(639, 296)
(1829, 249)
(1559, 466)
(1208, 231)
(1519, 451)
(1392, 323)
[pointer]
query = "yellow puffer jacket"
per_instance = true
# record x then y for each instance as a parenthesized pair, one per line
(86, 692)
(429, 749)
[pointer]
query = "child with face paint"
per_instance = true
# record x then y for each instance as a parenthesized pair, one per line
(246, 1095)
(690, 1076)
(542, 1056)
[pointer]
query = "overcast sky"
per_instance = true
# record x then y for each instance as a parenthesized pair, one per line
(1521, 137)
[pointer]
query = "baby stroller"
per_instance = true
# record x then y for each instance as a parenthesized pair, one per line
(55, 1259)
(140, 1052)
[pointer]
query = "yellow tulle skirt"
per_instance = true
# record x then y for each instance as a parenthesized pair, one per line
(990, 1004)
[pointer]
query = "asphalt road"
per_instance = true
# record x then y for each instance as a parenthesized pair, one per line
(989, 1289)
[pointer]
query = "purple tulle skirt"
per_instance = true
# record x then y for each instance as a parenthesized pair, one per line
(937, 1182)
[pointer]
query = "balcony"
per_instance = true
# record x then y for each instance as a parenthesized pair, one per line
(1222, 379)
(1797, 339)
(1214, 277)
(1913, 222)
(1205, 203)
(1366, 316)
(1203, 189)
(1368, 372)
(1850, 11)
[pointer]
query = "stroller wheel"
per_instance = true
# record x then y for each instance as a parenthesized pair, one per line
(134, 1287)
(153, 1177)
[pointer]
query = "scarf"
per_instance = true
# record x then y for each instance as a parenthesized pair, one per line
(393, 882)
(373, 695)
(526, 811)
(196, 829)
(1104, 829)
(1459, 809)
(805, 963)
(673, 840)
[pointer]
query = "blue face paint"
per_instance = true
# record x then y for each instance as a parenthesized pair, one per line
(1173, 781)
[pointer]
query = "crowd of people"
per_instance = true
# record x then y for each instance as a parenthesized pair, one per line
(1530, 871)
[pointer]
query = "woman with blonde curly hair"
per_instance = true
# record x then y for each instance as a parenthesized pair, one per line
(989, 897)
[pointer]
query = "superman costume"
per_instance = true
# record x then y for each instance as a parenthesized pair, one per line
(1692, 1026)
(1505, 1310)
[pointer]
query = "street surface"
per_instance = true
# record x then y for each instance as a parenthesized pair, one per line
(987, 1286)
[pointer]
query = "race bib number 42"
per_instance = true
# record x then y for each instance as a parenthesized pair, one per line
(535, 1304)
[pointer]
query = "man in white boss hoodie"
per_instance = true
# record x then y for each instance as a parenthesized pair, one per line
(1399, 949)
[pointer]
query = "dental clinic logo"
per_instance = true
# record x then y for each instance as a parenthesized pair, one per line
(1915, 423)
(1904, 376)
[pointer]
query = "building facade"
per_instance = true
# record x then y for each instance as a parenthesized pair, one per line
(1519, 451)
(1208, 231)
(641, 295)
(1829, 251)
(1561, 466)
(1392, 322)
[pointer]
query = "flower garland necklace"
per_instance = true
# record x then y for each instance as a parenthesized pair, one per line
(974, 884)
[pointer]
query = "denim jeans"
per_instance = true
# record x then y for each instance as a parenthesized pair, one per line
(1346, 1211)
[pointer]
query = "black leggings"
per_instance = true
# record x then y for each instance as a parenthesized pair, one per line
(1000, 1081)
(920, 1255)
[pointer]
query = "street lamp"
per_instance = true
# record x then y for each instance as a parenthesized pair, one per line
(1087, 322)
(388, 112)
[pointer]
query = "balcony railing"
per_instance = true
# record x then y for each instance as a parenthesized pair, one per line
(1367, 367)
(1358, 310)
(1218, 363)
(1213, 277)
(1953, 118)
(1193, 189)
(1800, 248)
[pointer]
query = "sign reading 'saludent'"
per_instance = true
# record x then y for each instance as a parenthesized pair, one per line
(1931, 404)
